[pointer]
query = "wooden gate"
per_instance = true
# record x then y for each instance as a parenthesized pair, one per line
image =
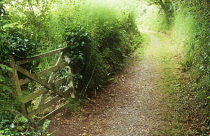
(49, 91)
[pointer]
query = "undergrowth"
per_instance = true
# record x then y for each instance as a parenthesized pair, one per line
(189, 30)
(139, 52)
(100, 35)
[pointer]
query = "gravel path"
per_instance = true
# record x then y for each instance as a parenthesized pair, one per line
(132, 106)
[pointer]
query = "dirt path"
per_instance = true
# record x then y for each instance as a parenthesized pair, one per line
(134, 105)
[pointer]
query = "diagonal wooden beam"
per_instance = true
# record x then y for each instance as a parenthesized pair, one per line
(44, 106)
(52, 113)
(44, 73)
(33, 76)
(33, 95)
(50, 86)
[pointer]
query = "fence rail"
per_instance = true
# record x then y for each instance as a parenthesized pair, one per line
(49, 90)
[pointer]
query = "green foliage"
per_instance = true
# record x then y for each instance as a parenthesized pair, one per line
(21, 126)
(6, 91)
(99, 34)
(32, 15)
(13, 42)
(152, 18)
(189, 26)
(74, 104)
(191, 30)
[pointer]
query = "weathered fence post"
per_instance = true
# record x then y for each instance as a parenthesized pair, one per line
(16, 84)
(56, 87)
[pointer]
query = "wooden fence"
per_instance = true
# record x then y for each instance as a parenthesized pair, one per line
(49, 90)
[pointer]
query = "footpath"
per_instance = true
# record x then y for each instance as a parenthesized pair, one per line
(135, 104)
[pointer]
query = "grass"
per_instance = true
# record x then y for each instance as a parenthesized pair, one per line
(168, 58)
(184, 66)
(139, 53)
(182, 117)
(192, 97)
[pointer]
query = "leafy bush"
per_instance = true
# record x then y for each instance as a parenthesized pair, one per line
(16, 43)
(99, 34)
(100, 37)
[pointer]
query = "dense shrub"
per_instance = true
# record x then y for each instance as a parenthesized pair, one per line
(100, 35)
